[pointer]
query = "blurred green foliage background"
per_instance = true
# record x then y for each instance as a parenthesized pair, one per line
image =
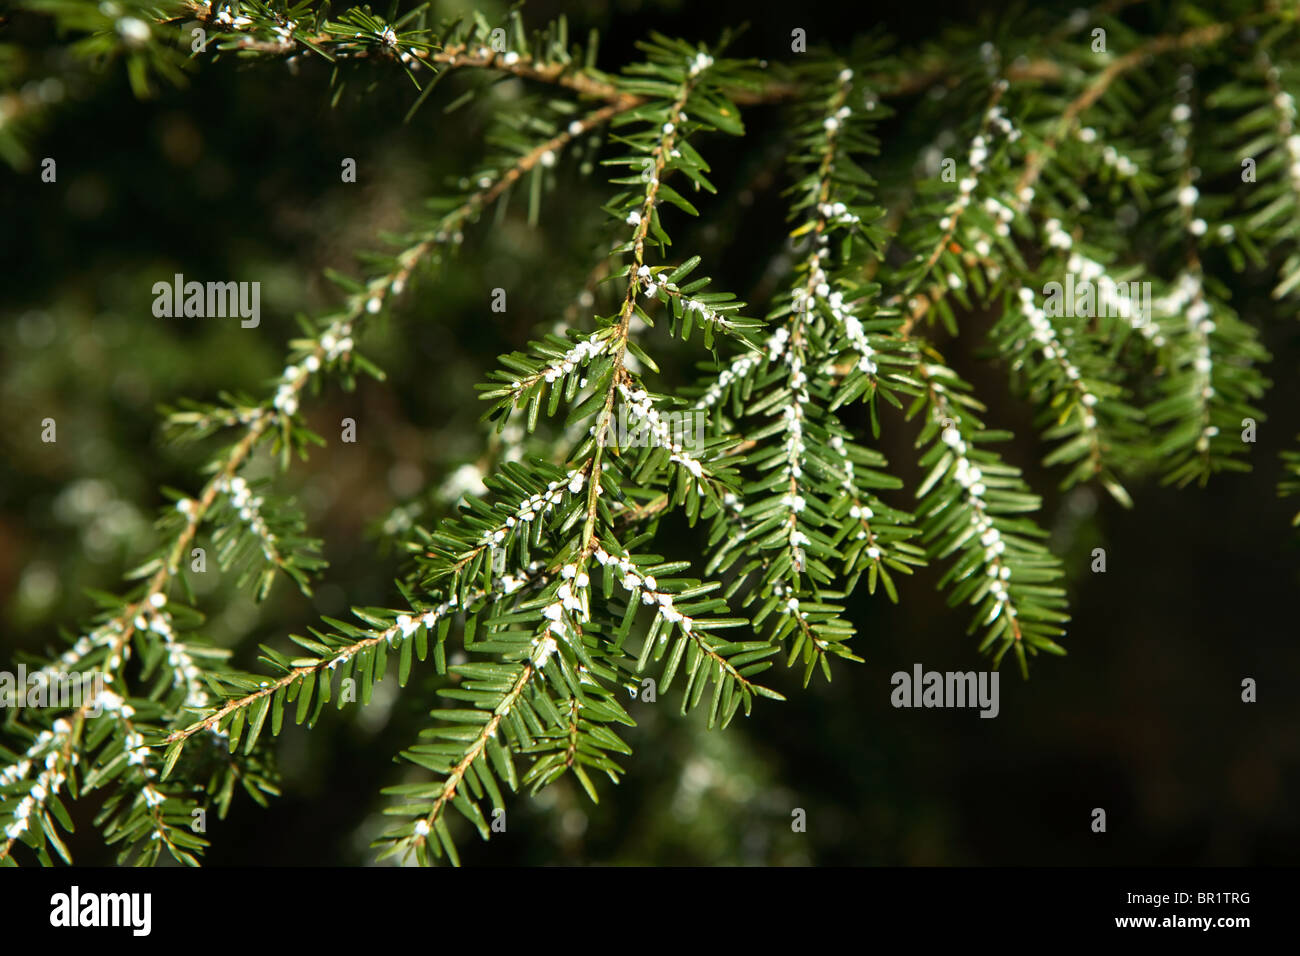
(237, 177)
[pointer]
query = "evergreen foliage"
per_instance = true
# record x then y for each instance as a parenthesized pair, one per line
(554, 588)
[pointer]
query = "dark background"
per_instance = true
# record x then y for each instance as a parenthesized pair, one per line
(236, 177)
